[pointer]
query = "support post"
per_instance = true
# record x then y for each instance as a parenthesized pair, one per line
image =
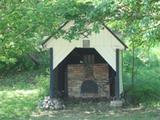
(117, 89)
(117, 102)
(51, 74)
(60, 80)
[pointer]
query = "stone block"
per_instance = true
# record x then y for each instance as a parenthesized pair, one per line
(116, 103)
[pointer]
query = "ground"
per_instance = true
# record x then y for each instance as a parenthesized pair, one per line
(98, 111)
(22, 105)
(19, 96)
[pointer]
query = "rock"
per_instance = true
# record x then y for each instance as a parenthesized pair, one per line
(51, 104)
(116, 103)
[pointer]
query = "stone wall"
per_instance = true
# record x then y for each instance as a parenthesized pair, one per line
(78, 73)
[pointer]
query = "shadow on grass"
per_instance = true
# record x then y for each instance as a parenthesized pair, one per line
(19, 94)
(17, 104)
(97, 111)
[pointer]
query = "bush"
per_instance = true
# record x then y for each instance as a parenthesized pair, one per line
(26, 62)
(146, 82)
(43, 85)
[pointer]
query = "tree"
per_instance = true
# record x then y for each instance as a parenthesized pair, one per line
(25, 22)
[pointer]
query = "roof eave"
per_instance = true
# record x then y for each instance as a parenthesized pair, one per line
(49, 37)
(125, 46)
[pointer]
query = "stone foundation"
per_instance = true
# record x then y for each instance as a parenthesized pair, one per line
(97, 73)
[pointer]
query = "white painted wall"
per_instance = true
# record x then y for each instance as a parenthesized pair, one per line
(104, 42)
(61, 48)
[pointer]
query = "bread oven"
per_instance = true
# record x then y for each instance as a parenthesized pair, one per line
(88, 79)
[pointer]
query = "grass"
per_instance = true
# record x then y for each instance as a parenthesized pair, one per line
(21, 105)
(18, 96)
(98, 111)
(17, 104)
(18, 101)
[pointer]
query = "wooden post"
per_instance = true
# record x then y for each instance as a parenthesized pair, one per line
(117, 89)
(60, 79)
(51, 74)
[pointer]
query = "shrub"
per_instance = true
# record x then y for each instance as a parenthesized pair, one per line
(43, 85)
(146, 82)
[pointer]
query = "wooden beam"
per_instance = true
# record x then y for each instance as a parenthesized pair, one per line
(51, 74)
(60, 79)
(117, 95)
(112, 75)
(66, 82)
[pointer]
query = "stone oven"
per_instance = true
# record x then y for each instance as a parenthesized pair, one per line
(88, 80)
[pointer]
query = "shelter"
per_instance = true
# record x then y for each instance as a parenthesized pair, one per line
(90, 67)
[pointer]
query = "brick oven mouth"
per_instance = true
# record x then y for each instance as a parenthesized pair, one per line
(89, 88)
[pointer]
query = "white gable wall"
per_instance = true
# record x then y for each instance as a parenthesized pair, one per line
(104, 42)
(61, 48)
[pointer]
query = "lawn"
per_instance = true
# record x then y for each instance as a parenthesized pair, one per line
(17, 104)
(20, 93)
(98, 111)
(18, 96)
(22, 105)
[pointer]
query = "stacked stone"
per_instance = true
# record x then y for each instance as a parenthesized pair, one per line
(51, 104)
(77, 75)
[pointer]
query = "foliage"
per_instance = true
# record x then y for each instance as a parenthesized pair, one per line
(146, 87)
(42, 82)
(25, 22)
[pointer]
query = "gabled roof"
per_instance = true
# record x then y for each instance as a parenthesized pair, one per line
(115, 36)
(105, 42)
(64, 24)
(49, 37)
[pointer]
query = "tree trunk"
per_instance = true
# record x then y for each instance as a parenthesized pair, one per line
(133, 64)
(34, 59)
